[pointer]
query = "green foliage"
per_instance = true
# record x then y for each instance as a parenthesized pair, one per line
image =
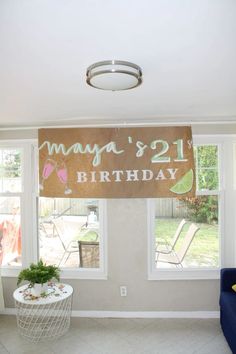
(206, 161)
(206, 155)
(11, 166)
(39, 273)
(203, 209)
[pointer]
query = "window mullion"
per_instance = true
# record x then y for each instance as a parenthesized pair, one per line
(28, 250)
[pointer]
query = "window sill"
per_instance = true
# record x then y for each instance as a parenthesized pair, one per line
(186, 274)
(96, 274)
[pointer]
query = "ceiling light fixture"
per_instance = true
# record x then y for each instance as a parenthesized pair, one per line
(114, 75)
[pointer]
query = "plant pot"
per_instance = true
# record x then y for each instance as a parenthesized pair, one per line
(39, 289)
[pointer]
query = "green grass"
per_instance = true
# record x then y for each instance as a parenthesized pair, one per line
(204, 250)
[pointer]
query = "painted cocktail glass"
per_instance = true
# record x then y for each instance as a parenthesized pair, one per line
(62, 174)
(48, 168)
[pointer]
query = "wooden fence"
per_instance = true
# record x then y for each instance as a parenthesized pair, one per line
(164, 207)
(170, 208)
(68, 206)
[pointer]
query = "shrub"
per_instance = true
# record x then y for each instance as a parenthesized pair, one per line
(202, 209)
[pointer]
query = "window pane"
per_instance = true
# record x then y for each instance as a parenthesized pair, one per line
(10, 170)
(69, 232)
(10, 231)
(175, 249)
(207, 156)
(206, 161)
(207, 179)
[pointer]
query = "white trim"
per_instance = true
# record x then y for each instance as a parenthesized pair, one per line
(191, 273)
(184, 274)
(174, 120)
(134, 314)
(28, 252)
(209, 139)
(13, 142)
(147, 314)
(29, 219)
(151, 236)
(10, 272)
(8, 311)
(171, 274)
(89, 273)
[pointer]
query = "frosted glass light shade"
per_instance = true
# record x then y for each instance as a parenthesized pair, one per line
(114, 75)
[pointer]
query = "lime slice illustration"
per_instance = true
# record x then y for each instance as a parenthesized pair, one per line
(184, 185)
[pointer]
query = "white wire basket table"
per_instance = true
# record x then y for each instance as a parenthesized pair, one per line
(46, 317)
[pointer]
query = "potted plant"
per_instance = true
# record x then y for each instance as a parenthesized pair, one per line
(38, 276)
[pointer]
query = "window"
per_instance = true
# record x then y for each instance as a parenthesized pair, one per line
(11, 193)
(66, 227)
(62, 231)
(177, 246)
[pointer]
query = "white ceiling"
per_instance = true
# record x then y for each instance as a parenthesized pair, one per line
(186, 49)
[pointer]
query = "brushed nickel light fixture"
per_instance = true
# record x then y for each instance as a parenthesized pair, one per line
(114, 75)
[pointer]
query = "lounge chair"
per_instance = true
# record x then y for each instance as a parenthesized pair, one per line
(177, 257)
(167, 247)
(68, 239)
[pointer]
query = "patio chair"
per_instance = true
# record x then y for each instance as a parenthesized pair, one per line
(89, 254)
(46, 222)
(69, 240)
(167, 247)
(177, 257)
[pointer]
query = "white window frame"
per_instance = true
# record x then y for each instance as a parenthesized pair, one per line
(29, 218)
(226, 199)
(26, 205)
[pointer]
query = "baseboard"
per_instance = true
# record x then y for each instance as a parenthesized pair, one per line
(147, 314)
(8, 311)
(134, 314)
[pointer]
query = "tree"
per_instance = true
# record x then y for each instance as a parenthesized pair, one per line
(202, 209)
(206, 161)
(11, 163)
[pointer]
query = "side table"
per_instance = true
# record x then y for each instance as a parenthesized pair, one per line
(45, 317)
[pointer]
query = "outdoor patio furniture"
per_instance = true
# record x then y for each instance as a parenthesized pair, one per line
(46, 222)
(167, 248)
(68, 239)
(177, 257)
(89, 254)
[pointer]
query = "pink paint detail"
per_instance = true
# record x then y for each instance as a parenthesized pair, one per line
(62, 175)
(48, 169)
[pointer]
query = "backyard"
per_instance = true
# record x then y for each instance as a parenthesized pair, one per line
(204, 250)
(60, 246)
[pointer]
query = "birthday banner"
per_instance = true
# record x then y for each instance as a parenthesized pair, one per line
(116, 162)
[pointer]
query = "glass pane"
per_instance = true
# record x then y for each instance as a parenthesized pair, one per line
(207, 156)
(206, 161)
(174, 246)
(207, 179)
(10, 231)
(10, 170)
(69, 232)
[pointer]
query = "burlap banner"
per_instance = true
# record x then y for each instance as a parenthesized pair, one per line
(116, 162)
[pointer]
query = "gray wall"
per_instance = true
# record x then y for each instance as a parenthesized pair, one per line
(127, 261)
(127, 265)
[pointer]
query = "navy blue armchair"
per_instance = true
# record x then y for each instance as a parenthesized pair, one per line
(228, 306)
